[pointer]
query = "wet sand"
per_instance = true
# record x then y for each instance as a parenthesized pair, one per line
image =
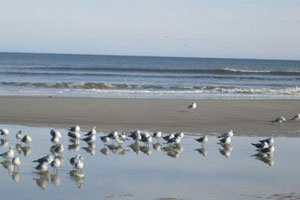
(245, 117)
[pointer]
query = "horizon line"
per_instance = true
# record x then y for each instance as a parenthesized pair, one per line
(129, 55)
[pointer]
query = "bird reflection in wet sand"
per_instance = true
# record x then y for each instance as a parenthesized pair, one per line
(74, 146)
(117, 150)
(57, 149)
(157, 146)
(3, 142)
(226, 150)
(104, 151)
(55, 179)
(90, 148)
(16, 176)
(135, 147)
(78, 177)
(146, 150)
(173, 150)
(7, 164)
(18, 148)
(43, 180)
(202, 151)
(26, 150)
(265, 158)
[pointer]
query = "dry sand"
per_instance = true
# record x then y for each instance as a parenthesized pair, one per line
(245, 117)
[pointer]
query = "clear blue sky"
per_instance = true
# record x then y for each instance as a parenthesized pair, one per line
(197, 28)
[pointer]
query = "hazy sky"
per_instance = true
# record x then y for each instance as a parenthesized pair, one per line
(197, 28)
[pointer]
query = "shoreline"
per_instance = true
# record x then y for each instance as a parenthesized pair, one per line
(245, 117)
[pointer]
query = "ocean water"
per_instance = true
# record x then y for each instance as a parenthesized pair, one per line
(157, 171)
(147, 77)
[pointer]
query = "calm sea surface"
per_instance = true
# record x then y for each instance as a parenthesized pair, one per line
(146, 77)
(157, 171)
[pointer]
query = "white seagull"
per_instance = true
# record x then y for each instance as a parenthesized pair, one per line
(202, 140)
(4, 132)
(157, 135)
(42, 167)
(19, 135)
(26, 139)
(268, 150)
(227, 134)
(193, 106)
(56, 163)
(9, 154)
(55, 133)
(75, 128)
(296, 117)
(270, 141)
(279, 120)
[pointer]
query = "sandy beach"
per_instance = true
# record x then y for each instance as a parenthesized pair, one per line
(245, 117)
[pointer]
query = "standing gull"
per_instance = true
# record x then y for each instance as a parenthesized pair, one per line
(4, 132)
(279, 120)
(19, 135)
(227, 134)
(296, 118)
(26, 139)
(9, 154)
(157, 135)
(75, 128)
(269, 141)
(202, 140)
(193, 106)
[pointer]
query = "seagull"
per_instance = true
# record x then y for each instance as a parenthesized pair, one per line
(16, 162)
(55, 140)
(168, 137)
(105, 139)
(91, 132)
(4, 132)
(261, 145)
(181, 135)
(75, 128)
(74, 160)
(157, 135)
(267, 150)
(55, 133)
(74, 135)
(123, 136)
(279, 120)
(175, 140)
(296, 117)
(19, 135)
(226, 140)
(227, 134)
(56, 164)
(26, 139)
(9, 154)
(79, 164)
(269, 141)
(89, 139)
(42, 167)
(48, 159)
(193, 106)
(202, 140)
(113, 135)
(147, 139)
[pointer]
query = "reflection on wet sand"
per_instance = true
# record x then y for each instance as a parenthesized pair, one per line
(226, 150)
(202, 151)
(91, 148)
(173, 150)
(117, 149)
(78, 177)
(265, 158)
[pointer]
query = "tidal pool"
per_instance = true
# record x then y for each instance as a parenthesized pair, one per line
(157, 171)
